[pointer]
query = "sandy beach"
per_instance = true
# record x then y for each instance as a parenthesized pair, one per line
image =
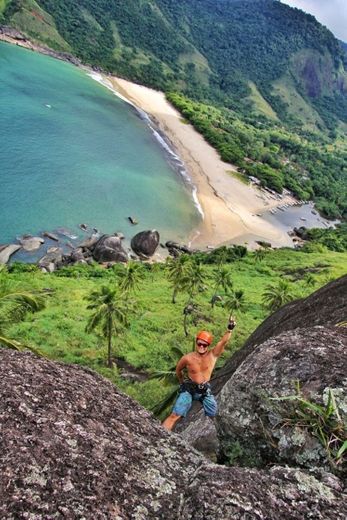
(230, 207)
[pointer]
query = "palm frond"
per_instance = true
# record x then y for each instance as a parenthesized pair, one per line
(16, 345)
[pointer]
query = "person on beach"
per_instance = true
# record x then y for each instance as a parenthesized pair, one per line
(199, 366)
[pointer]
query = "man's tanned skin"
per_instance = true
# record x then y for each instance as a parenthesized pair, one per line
(199, 365)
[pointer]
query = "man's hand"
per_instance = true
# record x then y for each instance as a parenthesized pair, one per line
(231, 324)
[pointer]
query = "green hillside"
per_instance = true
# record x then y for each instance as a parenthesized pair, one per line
(264, 83)
(208, 48)
(156, 325)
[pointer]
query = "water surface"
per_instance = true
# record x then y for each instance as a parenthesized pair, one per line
(72, 152)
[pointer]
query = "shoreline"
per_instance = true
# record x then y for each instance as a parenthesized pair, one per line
(229, 207)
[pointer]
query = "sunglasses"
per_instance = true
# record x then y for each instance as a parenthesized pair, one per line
(201, 344)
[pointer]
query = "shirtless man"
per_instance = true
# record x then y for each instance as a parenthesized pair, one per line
(199, 365)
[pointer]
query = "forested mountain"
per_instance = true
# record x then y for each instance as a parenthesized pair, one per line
(207, 48)
(258, 62)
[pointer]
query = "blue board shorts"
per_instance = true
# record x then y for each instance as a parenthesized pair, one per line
(185, 400)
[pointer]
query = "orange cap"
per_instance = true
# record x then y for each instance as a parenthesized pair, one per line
(205, 336)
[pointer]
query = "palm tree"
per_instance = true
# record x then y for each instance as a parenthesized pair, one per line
(193, 282)
(110, 312)
(260, 254)
(177, 273)
(131, 277)
(275, 296)
(194, 279)
(236, 301)
(309, 280)
(222, 279)
(14, 305)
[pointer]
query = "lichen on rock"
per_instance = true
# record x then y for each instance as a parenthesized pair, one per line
(75, 447)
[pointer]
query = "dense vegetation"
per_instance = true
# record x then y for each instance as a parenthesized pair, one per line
(264, 83)
(248, 284)
(278, 158)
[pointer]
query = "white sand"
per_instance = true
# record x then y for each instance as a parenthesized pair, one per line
(229, 206)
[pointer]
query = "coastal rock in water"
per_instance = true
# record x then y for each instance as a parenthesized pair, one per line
(89, 243)
(52, 236)
(145, 243)
(109, 249)
(73, 446)
(254, 429)
(31, 243)
(7, 252)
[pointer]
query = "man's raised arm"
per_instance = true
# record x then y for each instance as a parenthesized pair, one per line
(219, 348)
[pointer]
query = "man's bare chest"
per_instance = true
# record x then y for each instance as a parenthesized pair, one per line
(201, 364)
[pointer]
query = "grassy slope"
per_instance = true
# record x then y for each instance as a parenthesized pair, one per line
(3, 4)
(38, 25)
(297, 106)
(157, 325)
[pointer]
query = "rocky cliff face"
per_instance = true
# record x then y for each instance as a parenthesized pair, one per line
(325, 307)
(256, 430)
(299, 332)
(74, 447)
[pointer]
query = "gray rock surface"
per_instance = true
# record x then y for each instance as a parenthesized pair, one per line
(50, 235)
(252, 427)
(49, 261)
(31, 243)
(74, 447)
(109, 249)
(7, 252)
(145, 243)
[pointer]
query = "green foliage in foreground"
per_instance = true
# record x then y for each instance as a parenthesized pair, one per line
(59, 330)
(322, 421)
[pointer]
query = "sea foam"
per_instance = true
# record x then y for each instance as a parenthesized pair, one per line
(161, 139)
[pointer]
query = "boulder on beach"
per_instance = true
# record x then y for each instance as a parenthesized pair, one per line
(7, 251)
(145, 243)
(109, 249)
(176, 249)
(73, 446)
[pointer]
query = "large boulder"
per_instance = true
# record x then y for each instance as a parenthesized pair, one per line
(145, 243)
(30, 243)
(7, 251)
(109, 249)
(256, 430)
(73, 446)
(52, 259)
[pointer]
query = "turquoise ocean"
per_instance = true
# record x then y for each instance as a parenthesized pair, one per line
(72, 152)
